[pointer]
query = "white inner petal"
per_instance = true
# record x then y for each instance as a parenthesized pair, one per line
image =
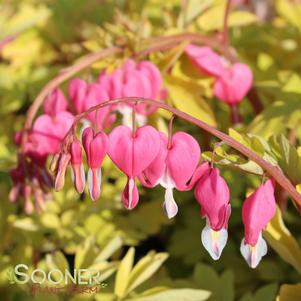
(214, 241)
(90, 181)
(127, 113)
(83, 176)
(140, 119)
(253, 254)
(72, 174)
(169, 205)
(131, 187)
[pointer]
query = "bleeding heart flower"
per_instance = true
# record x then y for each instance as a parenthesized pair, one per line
(55, 102)
(205, 60)
(95, 145)
(77, 91)
(61, 171)
(234, 84)
(77, 167)
(133, 79)
(48, 132)
(173, 167)
(132, 153)
(232, 81)
(258, 209)
(212, 193)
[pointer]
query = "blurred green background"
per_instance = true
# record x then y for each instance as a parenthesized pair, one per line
(43, 36)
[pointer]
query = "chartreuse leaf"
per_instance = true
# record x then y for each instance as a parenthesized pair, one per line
(287, 156)
(105, 270)
(57, 260)
(291, 11)
(145, 268)
(275, 119)
(123, 273)
(289, 292)
(183, 294)
(28, 15)
(186, 96)
(109, 249)
(282, 241)
(172, 56)
(213, 18)
(85, 254)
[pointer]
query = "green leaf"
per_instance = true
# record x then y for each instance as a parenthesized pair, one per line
(265, 293)
(184, 294)
(222, 287)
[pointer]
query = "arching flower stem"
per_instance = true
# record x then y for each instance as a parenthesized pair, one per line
(273, 171)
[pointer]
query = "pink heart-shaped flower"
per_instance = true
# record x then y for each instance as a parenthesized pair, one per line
(132, 153)
(234, 84)
(48, 131)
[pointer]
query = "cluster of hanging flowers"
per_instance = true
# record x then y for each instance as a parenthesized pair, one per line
(143, 154)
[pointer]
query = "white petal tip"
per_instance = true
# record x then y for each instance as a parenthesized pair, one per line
(170, 206)
(254, 254)
(214, 241)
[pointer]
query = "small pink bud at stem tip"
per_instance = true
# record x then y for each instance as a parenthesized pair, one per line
(62, 166)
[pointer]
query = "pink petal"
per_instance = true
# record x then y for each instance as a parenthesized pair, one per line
(77, 91)
(234, 84)
(257, 210)
(94, 182)
(183, 158)
(130, 195)
(55, 102)
(213, 195)
(151, 175)
(95, 146)
(48, 132)
(205, 59)
(133, 154)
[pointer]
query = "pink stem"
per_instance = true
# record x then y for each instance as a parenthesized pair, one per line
(273, 171)
(63, 76)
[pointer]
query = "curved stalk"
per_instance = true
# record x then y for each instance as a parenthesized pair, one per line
(273, 171)
(64, 75)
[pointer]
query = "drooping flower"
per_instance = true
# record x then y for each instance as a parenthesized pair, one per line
(55, 102)
(77, 167)
(212, 193)
(77, 90)
(132, 152)
(232, 81)
(96, 146)
(63, 163)
(133, 79)
(234, 84)
(48, 132)
(173, 167)
(85, 96)
(257, 210)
